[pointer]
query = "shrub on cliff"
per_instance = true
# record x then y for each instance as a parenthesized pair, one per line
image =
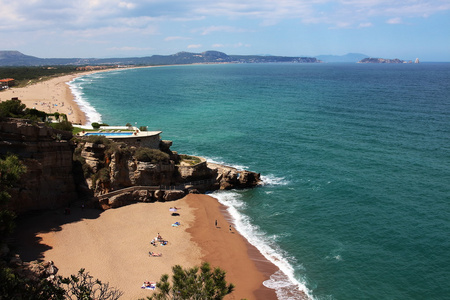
(151, 155)
(98, 139)
(64, 125)
(13, 108)
(11, 168)
(193, 283)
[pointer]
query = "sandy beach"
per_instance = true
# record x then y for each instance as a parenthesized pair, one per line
(113, 245)
(50, 96)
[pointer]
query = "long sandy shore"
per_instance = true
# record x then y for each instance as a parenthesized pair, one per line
(50, 96)
(113, 245)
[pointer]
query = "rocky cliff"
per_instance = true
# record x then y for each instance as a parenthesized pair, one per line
(116, 174)
(62, 169)
(47, 155)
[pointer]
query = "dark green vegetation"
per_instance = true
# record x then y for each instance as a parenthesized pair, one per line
(151, 155)
(96, 125)
(193, 283)
(26, 75)
(14, 108)
(11, 169)
(84, 286)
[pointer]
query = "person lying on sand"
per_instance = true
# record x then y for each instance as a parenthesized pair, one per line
(148, 285)
(154, 254)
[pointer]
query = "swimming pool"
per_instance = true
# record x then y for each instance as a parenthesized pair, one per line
(109, 133)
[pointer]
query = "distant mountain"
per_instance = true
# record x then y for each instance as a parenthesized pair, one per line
(15, 58)
(349, 57)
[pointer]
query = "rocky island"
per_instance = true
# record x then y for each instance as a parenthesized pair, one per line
(370, 60)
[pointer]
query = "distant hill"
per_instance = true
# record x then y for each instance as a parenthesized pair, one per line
(349, 57)
(15, 58)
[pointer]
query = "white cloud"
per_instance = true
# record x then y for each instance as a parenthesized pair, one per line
(229, 29)
(127, 5)
(236, 45)
(194, 46)
(129, 48)
(363, 25)
(176, 38)
(394, 21)
(101, 13)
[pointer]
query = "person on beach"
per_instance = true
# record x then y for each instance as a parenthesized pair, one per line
(215, 223)
(230, 228)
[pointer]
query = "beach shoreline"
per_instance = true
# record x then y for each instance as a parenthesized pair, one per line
(246, 267)
(52, 95)
(104, 242)
(55, 95)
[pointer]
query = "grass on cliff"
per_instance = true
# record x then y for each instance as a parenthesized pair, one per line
(190, 160)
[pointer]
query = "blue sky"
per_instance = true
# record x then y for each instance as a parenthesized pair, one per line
(403, 29)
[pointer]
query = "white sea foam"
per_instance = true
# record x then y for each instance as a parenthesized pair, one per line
(273, 180)
(283, 281)
(92, 115)
(220, 161)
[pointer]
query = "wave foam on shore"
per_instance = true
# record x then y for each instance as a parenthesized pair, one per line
(92, 115)
(282, 281)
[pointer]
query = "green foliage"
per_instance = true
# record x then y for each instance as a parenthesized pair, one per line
(98, 139)
(151, 155)
(96, 125)
(11, 168)
(24, 75)
(12, 108)
(103, 175)
(128, 125)
(13, 286)
(34, 114)
(83, 286)
(193, 283)
(63, 125)
(143, 128)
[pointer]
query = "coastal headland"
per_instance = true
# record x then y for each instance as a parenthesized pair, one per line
(114, 245)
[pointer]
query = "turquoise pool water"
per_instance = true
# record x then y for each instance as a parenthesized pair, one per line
(109, 133)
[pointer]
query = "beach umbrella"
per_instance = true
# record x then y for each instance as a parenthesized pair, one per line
(172, 209)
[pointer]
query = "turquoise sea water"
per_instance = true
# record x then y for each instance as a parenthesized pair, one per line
(355, 159)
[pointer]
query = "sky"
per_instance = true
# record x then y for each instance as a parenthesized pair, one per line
(403, 29)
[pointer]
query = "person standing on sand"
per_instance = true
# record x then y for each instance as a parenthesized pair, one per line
(216, 223)
(230, 228)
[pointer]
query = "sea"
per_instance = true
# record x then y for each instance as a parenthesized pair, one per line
(355, 162)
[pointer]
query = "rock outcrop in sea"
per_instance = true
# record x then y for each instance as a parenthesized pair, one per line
(370, 60)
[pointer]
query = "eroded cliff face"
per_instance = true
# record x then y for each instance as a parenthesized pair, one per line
(117, 177)
(60, 171)
(47, 154)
